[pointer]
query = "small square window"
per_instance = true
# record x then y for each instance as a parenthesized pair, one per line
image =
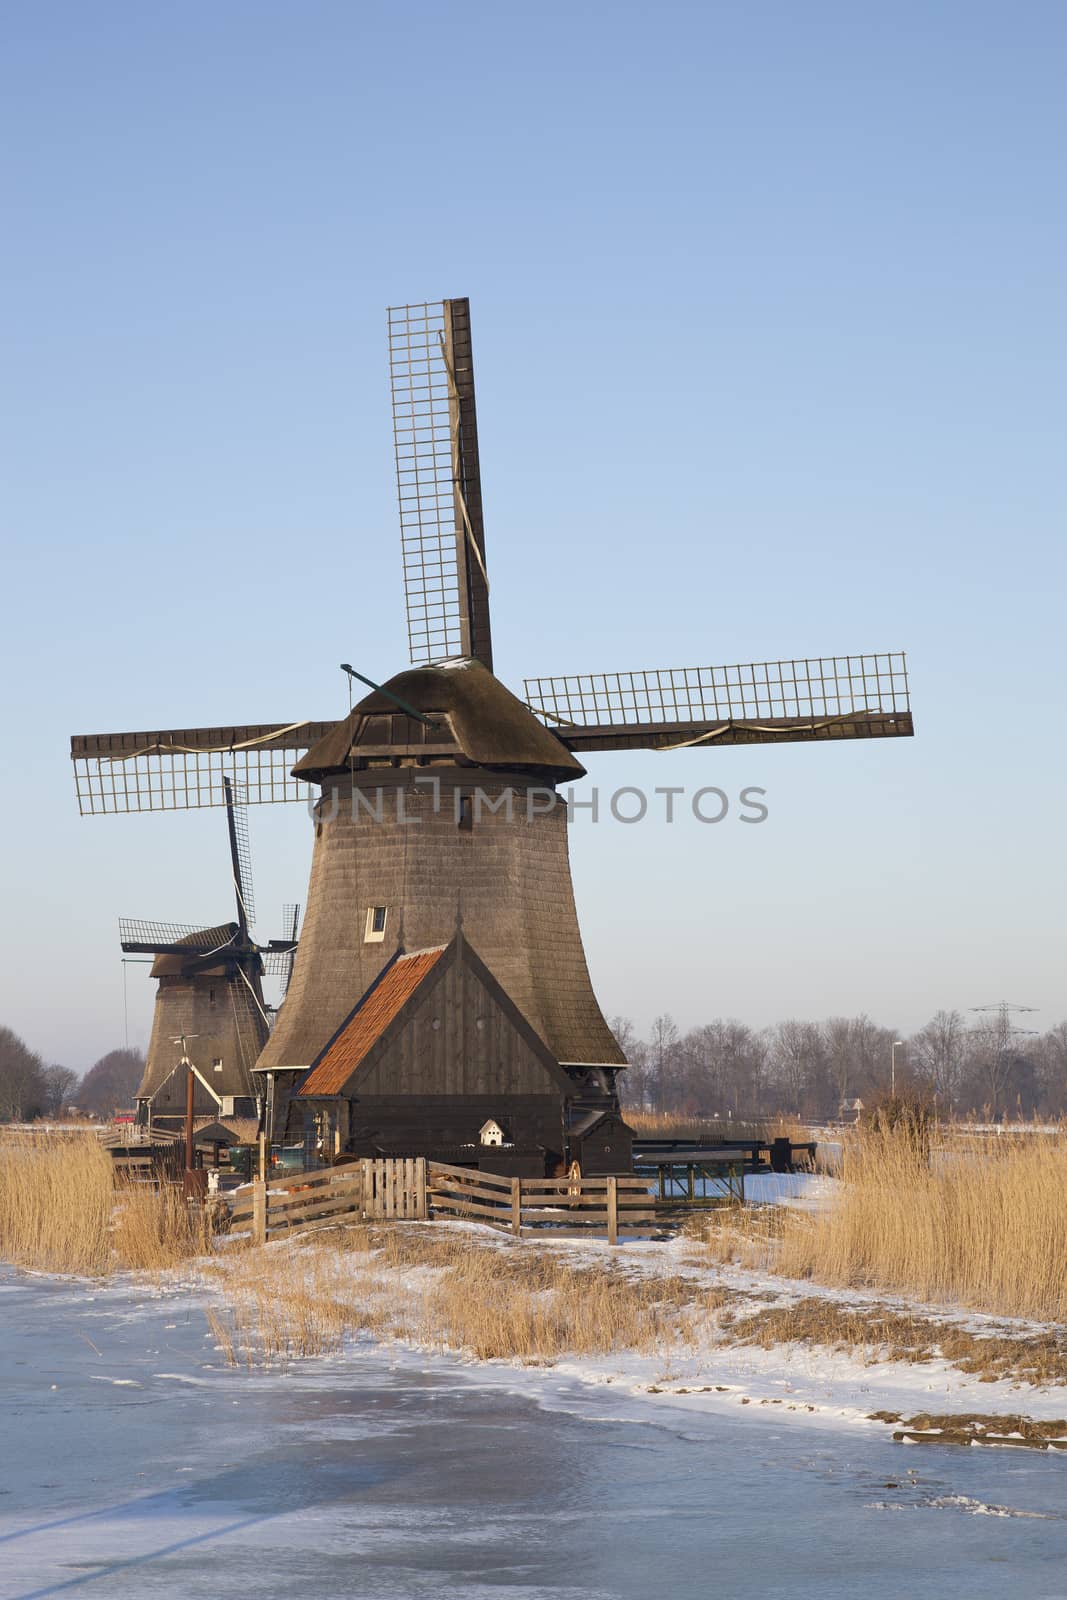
(374, 932)
(216, 1064)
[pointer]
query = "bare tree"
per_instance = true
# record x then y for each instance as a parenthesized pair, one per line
(724, 1067)
(838, 1033)
(1050, 1056)
(662, 1056)
(938, 1055)
(60, 1084)
(992, 1060)
(112, 1082)
(22, 1085)
(633, 1083)
(799, 1064)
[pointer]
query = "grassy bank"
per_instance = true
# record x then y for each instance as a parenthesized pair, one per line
(983, 1226)
(452, 1289)
(465, 1294)
(61, 1210)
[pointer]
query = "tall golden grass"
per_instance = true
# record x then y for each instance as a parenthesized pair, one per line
(55, 1202)
(984, 1227)
(154, 1229)
(520, 1301)
(491, 1303)
(676, 1125)
(61, 1210)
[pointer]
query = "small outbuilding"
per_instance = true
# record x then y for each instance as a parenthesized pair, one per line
(436, 1060)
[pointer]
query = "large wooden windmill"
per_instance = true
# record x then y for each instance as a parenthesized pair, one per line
(439, 794)
(209, 998)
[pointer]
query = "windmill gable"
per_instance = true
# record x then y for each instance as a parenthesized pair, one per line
(169, 1098)
(435, 1023)
(434, 1053)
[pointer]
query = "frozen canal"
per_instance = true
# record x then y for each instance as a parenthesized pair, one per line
(134, 1464)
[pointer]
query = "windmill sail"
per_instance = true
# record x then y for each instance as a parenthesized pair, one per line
(291, 917)
(147, 937)
(279, 955)
(435, 437)
(760, 702)
(240, 853)
(183, 769)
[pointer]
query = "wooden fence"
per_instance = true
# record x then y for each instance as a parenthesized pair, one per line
(360, 1190)
(411, 1190)
(542, 1207)
(301, 1200)
(394, 1188)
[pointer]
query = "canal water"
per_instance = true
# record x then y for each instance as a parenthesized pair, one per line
(133, 1462)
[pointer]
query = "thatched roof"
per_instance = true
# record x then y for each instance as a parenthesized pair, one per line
(483, 721)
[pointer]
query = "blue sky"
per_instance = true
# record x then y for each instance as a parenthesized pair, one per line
(768, 313)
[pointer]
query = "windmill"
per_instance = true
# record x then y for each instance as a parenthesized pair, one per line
(439, 793)
(210, 992)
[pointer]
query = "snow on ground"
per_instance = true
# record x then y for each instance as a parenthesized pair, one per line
(804, 1190)
(813, 1383)
(710, 1371)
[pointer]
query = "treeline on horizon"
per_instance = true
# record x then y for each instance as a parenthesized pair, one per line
(31, 1088)
(724, 1068)
(978, 1066)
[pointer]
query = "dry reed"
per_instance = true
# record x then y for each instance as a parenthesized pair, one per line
(677, 1125)
(55, 1202)
(61, 1210)
(487, 1302)
(985, 1228)
(518, 1302)
(154, 1229)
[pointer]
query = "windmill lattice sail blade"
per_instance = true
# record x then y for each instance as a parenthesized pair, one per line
(291, 922)
(824, 697)
(182, 769)
(435, 438)
(277, 963)
(136, 933)
(241, 852)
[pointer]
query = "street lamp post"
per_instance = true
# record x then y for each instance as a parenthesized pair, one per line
(898, 1044)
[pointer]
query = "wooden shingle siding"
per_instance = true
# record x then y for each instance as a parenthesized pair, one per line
(220, 1021)
(510, 878)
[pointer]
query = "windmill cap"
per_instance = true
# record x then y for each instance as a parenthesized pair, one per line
(200, 943)
(483, 722)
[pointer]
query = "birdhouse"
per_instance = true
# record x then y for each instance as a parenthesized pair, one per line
(491, 1133)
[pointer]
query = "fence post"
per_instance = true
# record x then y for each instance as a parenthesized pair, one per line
(516, 1206)
(259, 1211)
(613, 1210)
(421, 1210)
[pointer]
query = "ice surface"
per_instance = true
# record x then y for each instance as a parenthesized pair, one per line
(385, 1474)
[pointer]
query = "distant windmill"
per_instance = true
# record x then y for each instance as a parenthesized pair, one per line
(209, 990)
(446, 743)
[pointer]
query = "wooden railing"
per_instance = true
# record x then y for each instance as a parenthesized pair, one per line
(410, 1189)
(542, 1207)
(265, 1209)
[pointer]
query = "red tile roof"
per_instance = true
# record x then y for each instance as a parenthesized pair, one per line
(379, 1006)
